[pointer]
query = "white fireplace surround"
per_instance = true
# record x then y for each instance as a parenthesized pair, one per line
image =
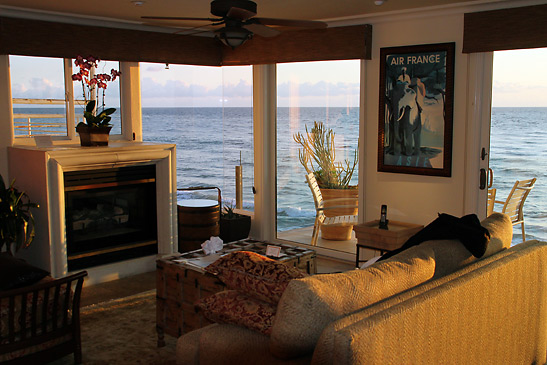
(40, 173)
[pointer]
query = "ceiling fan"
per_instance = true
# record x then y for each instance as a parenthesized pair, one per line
(240, 23)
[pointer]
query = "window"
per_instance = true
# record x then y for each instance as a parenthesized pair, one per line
(326, 92)
(37, 88)
(40, 107)
(207, 113)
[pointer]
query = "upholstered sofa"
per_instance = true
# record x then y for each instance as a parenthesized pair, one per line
(432, 303)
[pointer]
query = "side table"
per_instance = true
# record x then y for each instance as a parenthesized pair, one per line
(369, 235)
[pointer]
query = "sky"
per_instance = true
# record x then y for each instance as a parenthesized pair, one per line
(520, 80)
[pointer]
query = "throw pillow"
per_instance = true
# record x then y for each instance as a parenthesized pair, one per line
(16, 273)
(233, 307)
(255, 275)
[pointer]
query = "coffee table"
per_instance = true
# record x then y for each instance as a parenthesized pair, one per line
(181, 280)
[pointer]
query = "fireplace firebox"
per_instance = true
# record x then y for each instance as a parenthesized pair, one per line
(110, 215)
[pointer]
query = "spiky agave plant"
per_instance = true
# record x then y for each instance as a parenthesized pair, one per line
(16, 219)
(318, 155)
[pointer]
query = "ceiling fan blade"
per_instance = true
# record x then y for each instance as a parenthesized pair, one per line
(180, 18)
(314, 24)
(204, 29)
(240, 13)
(261, 30)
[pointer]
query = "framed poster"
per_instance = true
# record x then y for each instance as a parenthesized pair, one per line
(416, 108)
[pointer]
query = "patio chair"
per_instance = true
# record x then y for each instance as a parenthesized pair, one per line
(324, 205)
(513, 205)
(490, 201)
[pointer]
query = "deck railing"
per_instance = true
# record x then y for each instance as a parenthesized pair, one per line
(32, 124)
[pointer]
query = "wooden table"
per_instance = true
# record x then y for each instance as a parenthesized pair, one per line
(181, 280)
(369, 235)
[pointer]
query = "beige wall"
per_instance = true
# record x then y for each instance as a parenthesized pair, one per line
(415, 198)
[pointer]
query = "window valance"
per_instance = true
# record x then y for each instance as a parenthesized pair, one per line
(30, 37)
(505, 29)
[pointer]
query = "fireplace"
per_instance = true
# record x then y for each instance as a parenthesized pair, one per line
(110, 215)
(111, 210)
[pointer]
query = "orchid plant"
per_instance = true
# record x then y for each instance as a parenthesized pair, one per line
(93, 87)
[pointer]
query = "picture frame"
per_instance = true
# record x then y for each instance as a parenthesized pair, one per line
(415, 123)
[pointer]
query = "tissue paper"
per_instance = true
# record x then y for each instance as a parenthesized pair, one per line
(212, 245)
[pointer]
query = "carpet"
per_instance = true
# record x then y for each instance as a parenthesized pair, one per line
(122, 331)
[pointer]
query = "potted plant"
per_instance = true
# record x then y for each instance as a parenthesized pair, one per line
(318, 156)
(16, 219)
(96, 128)
(233, 226)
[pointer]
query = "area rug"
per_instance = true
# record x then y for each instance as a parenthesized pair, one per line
(123, 331)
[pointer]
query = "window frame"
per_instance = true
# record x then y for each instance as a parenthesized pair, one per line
(70, 117)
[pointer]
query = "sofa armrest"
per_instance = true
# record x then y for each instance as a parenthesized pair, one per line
(228, 344)
(489, 312)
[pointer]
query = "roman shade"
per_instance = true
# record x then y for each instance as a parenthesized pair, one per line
(505, 29)
(339, 43)
(28, 37)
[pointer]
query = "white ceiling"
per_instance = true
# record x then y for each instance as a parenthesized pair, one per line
(126, 11)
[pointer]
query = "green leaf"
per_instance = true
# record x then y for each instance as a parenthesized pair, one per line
(17, 227)
(109, 111)
(90, 106)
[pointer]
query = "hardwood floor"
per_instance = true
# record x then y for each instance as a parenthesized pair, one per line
(131, 285)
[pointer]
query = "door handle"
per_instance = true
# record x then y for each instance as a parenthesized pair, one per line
(482, 183)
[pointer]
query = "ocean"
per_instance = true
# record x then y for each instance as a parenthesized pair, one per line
(518, 151)
(212, 141)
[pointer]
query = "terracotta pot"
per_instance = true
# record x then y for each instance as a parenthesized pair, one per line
(339, 233)
(93, 136)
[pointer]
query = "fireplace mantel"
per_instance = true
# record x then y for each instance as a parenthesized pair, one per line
(39, 172)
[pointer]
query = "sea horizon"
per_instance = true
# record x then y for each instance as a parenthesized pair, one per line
(221, 136)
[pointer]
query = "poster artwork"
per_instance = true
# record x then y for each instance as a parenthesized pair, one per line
(416, 128)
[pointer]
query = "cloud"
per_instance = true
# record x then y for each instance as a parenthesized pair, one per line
(320, 88)
(38, 88)
(516, 87)
(154, 68)
(150, 88)
(517, 94)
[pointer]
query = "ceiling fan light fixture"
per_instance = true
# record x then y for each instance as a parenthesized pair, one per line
(233, 36)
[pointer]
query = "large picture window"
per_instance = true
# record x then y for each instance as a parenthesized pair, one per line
(312, 98)
(207, 112)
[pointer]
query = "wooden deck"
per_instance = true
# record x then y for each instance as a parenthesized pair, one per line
(303, 236)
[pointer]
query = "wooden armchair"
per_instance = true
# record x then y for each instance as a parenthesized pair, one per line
(514, 204)
(41, 322)
(323, 205)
